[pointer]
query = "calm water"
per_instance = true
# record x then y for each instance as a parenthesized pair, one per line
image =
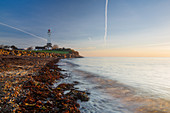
(122, 85)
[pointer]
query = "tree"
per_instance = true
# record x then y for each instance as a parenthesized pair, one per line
(14, 47)
(55, 46)
(6, 46)
(30, 48)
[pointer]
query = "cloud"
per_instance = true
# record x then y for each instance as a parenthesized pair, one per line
(89, 38)
(23, 31)
(105, 35)
(159, 44)
(86, 48)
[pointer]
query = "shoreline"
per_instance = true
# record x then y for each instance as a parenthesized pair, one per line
(128, 96)
(26, 86)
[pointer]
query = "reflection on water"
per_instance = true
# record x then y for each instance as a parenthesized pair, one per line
(100, 102)
(151, 75)
(130, 102)
(113, 96)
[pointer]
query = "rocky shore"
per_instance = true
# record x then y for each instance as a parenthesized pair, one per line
(26, 85)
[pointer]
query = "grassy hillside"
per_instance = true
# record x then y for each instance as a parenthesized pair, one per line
(52, 51)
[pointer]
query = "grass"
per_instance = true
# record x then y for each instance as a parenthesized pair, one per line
(52, 51)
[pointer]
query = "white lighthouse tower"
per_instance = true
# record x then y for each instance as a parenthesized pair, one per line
(49, 45)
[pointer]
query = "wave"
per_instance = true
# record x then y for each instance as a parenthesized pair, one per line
(111, 96)
(127, 96)
(66, 62)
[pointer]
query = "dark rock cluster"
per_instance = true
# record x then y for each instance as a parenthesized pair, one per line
(41, 97)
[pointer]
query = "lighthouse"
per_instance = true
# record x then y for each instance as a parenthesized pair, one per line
(49, 45)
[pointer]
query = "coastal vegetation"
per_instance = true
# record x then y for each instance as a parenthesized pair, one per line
(58, 52)
(52, 51)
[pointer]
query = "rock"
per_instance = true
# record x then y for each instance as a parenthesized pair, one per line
(76, 82)
(78, 95)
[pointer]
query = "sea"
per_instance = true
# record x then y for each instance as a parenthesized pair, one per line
(121, 84)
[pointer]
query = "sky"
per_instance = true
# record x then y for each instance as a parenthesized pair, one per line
(135, 28)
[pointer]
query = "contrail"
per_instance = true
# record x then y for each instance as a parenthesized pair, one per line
(23, 31)
(105, 35)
